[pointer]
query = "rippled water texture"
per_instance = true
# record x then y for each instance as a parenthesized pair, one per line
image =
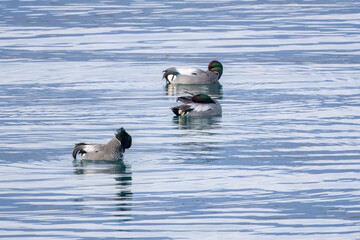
(281, 163)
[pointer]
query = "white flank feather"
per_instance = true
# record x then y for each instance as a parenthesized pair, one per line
(188, 71)
(91, 148)
(202, 107)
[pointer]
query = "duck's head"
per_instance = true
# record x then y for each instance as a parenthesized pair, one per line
(216, 67)
(124, 138)
(202, 98)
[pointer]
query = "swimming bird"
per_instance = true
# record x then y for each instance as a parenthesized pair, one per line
(111, 151)
(197, 105)
(187, 75)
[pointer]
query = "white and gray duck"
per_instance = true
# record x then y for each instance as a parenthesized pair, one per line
(197, 105)
(111, 151)
(188, 75)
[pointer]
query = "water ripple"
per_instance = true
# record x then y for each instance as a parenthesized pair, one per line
(282, 162)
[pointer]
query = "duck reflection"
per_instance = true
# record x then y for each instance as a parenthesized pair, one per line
(197, 123)
(201, 139)
(94, 167)
(214, 89)
(122, 175)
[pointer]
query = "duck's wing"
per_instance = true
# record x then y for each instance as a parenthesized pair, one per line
(202, 107)
(83, 148)
(172, 73)
(189, 71)
(183, 71)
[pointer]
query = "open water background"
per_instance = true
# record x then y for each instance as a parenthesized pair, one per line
(283, 162)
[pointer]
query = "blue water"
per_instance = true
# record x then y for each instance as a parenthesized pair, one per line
(283, 161)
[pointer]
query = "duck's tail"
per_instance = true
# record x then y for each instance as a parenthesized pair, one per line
(170, 74)
(78, 148)
(182, 110)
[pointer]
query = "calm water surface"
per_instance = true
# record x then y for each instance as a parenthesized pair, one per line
(283, 162)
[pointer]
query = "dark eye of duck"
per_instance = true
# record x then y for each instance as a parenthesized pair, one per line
(194, 73)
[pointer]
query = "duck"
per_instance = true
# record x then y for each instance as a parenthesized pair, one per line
(112, 151)
(187, 75)
(197, 105)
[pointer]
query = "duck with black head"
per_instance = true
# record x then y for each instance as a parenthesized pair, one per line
(111, 151)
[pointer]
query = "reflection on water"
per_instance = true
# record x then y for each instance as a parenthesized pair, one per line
(281, 163)
(122, 175)
(104, 167)
(214, 89)
(198, 123)
(200, 139)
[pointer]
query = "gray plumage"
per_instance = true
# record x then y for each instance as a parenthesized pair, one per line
(112, 151)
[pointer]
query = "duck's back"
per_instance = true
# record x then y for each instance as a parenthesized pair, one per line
(212, 109)
(200, 77)
(189, 76)
(113, 150)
